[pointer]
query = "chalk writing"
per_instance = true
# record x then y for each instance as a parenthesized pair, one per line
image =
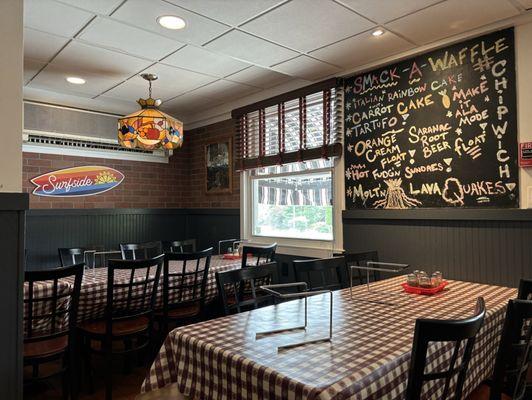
(438, 130)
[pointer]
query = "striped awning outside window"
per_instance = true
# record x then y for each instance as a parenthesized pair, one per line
(297, 126)
(287, 192)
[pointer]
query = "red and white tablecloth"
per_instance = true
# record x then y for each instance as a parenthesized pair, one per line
(368, 357)
(93, 296)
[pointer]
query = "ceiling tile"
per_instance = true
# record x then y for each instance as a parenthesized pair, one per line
(31, 67)
(96, 6)
(144, 14)
(385, 10)
(52, 17)
(306, 68)
(250, 48)
(451, 17)
(231, 12)
(526, 3)
(259, 77)
(96, 60)
(225, 90)
(134, 89)
(362, 49)
(171, 83)
(52, 78)
(41, 46)
(101, 103)
(122, 37)
(308, 24)
(189, 103)
(204, 61)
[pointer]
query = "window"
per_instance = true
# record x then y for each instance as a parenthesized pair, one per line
(293, 201)
(286, 148)
(299, 126)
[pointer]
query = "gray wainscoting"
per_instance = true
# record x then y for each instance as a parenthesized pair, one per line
(47, 230)
(488, 246)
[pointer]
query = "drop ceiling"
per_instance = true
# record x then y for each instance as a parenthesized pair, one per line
(230, 50)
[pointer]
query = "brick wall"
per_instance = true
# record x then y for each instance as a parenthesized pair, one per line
(195, 195)
(178, 184)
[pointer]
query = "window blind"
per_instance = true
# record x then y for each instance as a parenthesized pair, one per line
(298, 126)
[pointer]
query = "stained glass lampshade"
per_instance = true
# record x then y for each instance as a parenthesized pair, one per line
(149, 128)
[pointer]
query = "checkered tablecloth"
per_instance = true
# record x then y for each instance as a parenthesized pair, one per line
(368, 357)
(93, 296)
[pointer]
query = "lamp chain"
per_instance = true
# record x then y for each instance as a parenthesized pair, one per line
(149, 89)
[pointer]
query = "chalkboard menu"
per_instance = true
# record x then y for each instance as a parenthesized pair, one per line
(437, 130)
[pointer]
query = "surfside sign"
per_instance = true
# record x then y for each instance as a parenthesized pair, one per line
(77, 181)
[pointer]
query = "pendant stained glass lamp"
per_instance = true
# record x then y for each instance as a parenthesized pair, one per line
(149, 128)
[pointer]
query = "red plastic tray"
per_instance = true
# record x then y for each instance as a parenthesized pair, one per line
(425, 291)
(231, 257)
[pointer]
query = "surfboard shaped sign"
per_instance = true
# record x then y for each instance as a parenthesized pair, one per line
(77, 181)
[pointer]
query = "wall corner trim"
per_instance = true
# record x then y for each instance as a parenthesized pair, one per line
(446, 214)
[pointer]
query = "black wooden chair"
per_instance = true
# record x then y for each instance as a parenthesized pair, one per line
(320, 274)
(525, 289)
(264, 254)
(50, 323)
(361, 260)
(433, 330)
(513, 357)
(131, 294)
(180, 246)
(141, 251)
(230, 284)
(71, 256)
(184, 289)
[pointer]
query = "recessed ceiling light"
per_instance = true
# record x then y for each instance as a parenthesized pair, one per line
(377, 32)
(171, 22)
(75, 80)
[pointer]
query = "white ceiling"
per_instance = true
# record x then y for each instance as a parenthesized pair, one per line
(230, 49)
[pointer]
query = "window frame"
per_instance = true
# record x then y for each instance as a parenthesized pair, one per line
(251, 204)
(297, 247)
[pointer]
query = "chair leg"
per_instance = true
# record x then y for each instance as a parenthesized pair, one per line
(73, 370)
(66, 384)
(127, 358)
(88, 364)
(108, 346)
(34, 370)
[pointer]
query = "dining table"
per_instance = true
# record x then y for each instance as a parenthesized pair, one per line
(367, 357)
(93, 294)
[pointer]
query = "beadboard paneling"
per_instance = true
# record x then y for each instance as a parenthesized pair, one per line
(47, 230)
(479, 250)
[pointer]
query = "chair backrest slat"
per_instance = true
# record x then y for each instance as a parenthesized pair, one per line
(513, 357)
(46, 315)
(264, 254)
(136, 297)
(187, 285)
(71, 255)
(525, 289)
(320, 274)
(361, 259)
(454, 331)
(231, 283)
(141, 251)
(180, 246)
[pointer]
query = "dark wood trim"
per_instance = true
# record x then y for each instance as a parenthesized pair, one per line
(14, 201)
(213, 211)
(294, 94)
(129, 211)
(446, 214)
(332, 150)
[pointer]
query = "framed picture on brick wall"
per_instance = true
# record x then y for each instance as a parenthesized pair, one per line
(219, 166)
